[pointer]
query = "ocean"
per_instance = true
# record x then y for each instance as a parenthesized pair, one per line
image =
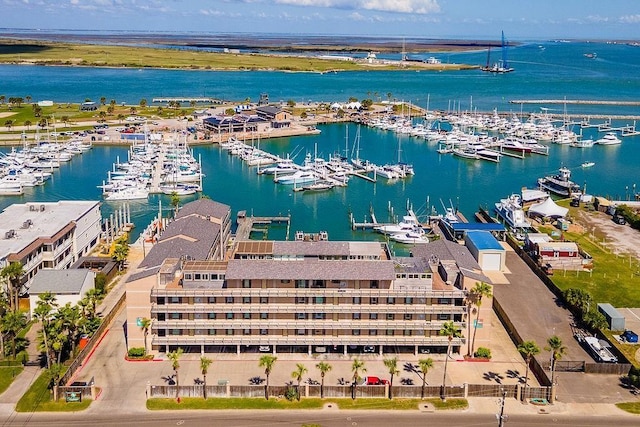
(544, 70)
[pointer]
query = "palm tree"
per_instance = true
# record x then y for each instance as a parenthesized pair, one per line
(480, 290)
(13, 274)
(451, 331)
(174, 356)
(392, 366)
(267, 361)
(323, 367)
(528, 349)
(103, 100)
(297, 375)
(8, 124)
(43, 313)
(204, 368)
(357, 367)
(554, 345)
(425, 365)
(143, 103)
(145, 324)
(27, 123)
(11, 324)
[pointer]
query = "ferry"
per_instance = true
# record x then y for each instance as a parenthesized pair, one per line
(560, 184)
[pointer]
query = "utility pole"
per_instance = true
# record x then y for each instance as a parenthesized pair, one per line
(502, 417)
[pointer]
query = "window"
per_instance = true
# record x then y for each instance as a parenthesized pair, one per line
(373, 332)
(356, 300)
(301, 284)
(301, 332)
(264, 300)
(246, 300)
(246, 316)
(319, 316)
(161, 317)
(197, 276)
(246, 283)
(246, 331)
(175, 316)
(356, 316)
(175, 300)
(229, 316)
(374, 284)
(198, 300)
(355, 332)
(228, 300)
(212, 300)
(187, 276)
(211, 316)
(389, 332)
(373, 300)
(175, 332)
(301, 300)
(319, 300)
(264, 316)
(228, 331)
(391, 300)
(406, 332)
(318, 284)
(390, 316)
(408, 300)
(408, 316)
(443, 316)
(373, 316)
(212, 331)
(264, 332)
(301, 316)
(444, 301)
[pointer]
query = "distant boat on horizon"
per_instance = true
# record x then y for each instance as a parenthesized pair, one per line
(501, 66)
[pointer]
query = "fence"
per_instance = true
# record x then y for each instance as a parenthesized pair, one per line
(79, 359)
(361, 392)
(81, 393)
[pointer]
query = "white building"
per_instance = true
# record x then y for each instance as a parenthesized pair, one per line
(68, 286)
(49, 235)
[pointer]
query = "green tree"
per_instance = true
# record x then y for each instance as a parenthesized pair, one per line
(8, 124)
(120, 254)
(425, 365)
(297, 375)
(11, 324)
(3, 98)
(557, 349)
(357, 367)
(112, 103)
(37, 110)
(12, 275)
(303, 115)
(103, 100)
(27, 123)
(28, 99)
(143, 103)
(451, 331)
(205, 362)
(54, 373)
(44, 314)
(65, 120)
(229, 112)
(267, 362)
(323, 367)
(480, 290)
(366, 104)
(174, 357)
(175, 202)
(392, 367)
(291, 103)
(120, 118)
(528, 349)
(145, 324)
(102, 115)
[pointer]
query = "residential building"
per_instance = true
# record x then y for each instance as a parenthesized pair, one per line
(68, 286)
(50, 235)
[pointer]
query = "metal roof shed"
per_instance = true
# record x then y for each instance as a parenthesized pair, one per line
(614, 318)
(486, 250)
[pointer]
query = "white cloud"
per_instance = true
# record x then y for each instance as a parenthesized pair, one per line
(630, 19)
(421, 7)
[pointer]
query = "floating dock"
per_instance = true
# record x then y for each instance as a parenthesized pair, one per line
(246, 224)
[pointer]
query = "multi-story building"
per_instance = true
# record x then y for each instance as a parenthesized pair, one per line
(48, 234)
(305, 296)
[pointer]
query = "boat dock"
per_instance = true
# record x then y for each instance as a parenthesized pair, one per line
(246, 224)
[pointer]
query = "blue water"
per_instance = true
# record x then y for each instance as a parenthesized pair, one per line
(543, 71)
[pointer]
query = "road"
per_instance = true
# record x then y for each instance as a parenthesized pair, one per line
(323, 418)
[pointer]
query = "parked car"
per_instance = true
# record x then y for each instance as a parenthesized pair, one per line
(369, 349)
(619, 219)
(370, 380)
(548, 269)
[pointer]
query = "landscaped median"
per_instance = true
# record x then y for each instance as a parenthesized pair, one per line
(39, 397)
(310, 403)
(630, 407)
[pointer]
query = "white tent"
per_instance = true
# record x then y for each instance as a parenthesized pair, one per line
(549, 209)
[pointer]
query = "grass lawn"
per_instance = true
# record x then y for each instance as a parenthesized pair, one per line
(7, 374)
(38, 398)
(310, 403)
(631, 407)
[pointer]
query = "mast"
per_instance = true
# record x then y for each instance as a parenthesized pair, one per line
(505, 65)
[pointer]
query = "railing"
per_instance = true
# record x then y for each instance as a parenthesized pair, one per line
(79, 359)
(305, 292)
(303, 340)
(328, 325)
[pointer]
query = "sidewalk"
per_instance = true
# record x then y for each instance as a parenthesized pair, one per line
(18, 387)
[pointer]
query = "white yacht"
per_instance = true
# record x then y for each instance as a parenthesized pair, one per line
(609, 139)
(510, 210)
(410, 237)
(407, 224)
(128, 193)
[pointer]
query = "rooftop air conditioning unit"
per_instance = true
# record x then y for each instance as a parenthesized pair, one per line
(9, 234)
(41, 208)
(33, 208)
(27, 223)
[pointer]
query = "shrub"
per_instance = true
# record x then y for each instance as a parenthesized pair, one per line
(483, 353)
(136, 352)
(291, 394)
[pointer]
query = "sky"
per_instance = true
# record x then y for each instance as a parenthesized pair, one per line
(520, 19)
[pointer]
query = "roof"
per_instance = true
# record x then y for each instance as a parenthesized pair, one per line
(471, 226)
(191, 237)
(529, 195)
(59, 281)
(269, 109)
(610, 310)
(445, 250)
(309, 269)
(204, 208)
(548, 208)
(483, 240)
(558, 246)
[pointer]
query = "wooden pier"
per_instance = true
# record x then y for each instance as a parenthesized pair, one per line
(246, 224)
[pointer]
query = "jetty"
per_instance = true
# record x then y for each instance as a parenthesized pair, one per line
(202, 100)
(575, 101)
(246, 224)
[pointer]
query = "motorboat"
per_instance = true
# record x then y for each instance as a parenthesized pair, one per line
(128, 193)
(11, 188)
(180, 189)
(410, 237)
(609, 139)
(560, 184)
(587, 164)
(408, 223)
(299, 177)
(316, 186)
(583, 143)
(511, 212)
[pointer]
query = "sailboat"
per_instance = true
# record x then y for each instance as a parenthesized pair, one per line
(501, 66)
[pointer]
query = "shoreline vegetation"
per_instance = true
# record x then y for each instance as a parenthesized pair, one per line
(32, 52)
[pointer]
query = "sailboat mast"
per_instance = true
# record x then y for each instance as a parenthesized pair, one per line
(504, 53)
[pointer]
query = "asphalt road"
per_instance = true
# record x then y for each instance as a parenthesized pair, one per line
(326, 418)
